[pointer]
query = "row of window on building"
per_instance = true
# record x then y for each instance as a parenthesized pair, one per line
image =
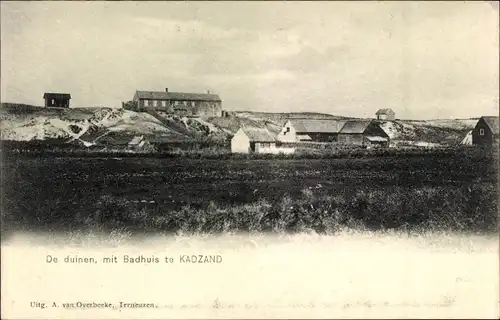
(154, 103)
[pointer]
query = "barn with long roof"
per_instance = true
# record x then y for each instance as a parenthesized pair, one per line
(363, 132)
(319, 130)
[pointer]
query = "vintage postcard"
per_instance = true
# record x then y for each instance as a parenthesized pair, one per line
(256, 160)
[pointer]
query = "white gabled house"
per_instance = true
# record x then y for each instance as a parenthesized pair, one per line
(257, 140)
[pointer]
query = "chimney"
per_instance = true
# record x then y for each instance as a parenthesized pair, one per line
(208, 91)
(166, 89)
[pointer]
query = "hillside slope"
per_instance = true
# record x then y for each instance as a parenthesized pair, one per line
(110, 126)
(427, 133)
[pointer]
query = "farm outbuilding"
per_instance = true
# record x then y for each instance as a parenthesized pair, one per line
(363, 133)
(256, 140)
(486, 131)
(56, 100)
(385, 114)
(316, 130)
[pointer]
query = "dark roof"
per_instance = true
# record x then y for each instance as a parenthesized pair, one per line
(317, 126)
(355, 126)
(492, 122)
(53, 95)
(384, 111)
(164, 95)
(258, 135)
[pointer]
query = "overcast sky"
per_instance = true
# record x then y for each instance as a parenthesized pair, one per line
(423, 59)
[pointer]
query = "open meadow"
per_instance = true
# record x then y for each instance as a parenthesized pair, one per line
(429, 191)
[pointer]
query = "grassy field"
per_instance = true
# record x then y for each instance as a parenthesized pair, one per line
(209, 148)
(431, 191)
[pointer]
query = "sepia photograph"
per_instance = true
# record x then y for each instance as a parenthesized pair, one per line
(249, 159)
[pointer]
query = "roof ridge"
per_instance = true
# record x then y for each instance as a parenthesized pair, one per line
(182, 92)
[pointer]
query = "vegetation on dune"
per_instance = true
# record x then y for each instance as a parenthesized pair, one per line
(19, 108)
(101, 119)
(281, 117)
